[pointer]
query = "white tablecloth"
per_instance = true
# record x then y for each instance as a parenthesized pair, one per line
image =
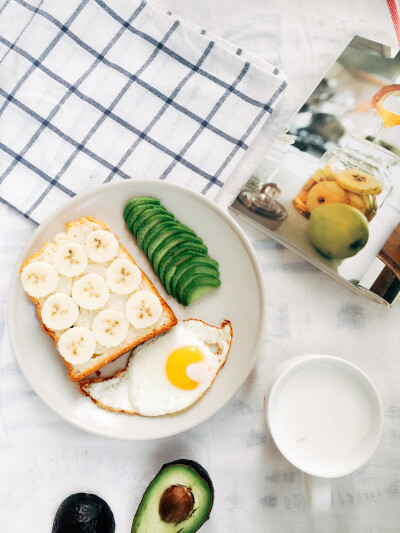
(43, 459)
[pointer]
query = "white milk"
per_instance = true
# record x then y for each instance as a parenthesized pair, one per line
(324, 414)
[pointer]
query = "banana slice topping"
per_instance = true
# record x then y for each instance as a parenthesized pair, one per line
(59, 311)
(123, 277)
(70, 259)
(143, 309)
(77, 345)
(110, 328)
(101, 246)
(39, 279)
(90, 292)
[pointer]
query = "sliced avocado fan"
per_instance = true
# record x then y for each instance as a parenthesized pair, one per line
(162, 238)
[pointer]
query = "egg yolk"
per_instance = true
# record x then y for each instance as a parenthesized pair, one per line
(177, 363)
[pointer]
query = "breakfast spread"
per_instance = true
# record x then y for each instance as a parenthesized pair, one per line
(166, 374)
(178, 499)
(178, 256)
(92, 298)
(97, 304)
(84, 513)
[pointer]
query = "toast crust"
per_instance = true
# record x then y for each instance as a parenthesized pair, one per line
(102, 361)
(90, 381)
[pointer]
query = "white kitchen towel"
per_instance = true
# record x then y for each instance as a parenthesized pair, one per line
(93, 91)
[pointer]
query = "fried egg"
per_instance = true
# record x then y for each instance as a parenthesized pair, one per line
(167, 373)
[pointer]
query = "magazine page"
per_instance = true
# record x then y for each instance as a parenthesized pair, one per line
(329, 187)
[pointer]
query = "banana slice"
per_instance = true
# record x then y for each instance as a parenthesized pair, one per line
(59, 311)
(70, 259)
(110, 328)
(123, 276)
(39, 279)
(143, 309)
(90, 292)
(77, 345)
(101, 246)
(352, 179)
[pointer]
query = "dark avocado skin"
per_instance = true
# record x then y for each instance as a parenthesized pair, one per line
(200, 471)
(84, 513)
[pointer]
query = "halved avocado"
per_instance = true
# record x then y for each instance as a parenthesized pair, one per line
(197, 287)
(138, 201)
(150, 223)
(170, 242)
(178, 500)
(83, 513)
(151, 211)
(189, 270)
(192, 273)
(168, 268)
(192, 248)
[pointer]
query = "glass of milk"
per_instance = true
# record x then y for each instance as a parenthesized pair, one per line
(326, 417)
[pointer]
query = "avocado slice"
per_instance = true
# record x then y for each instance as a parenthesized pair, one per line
(168, 230)
(138, 201)
(178, 288)
(191, 248)
(141, 209)
(170, 242)
(189, 270)
(156, 230)
(168, 268)
(150, 223)
(178, 500)
(143, 216)
(84, 513)
(197, 287)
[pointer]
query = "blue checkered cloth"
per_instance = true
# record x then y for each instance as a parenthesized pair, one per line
(94, 91)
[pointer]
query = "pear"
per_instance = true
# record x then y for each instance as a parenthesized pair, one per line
(338, 230)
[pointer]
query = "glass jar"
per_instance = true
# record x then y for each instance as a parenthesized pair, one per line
(358, 174)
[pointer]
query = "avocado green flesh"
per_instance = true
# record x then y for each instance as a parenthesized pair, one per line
(197, 287)
(150, 223)
(184, 275)
(163, 241)
(188, 248)
(138, 201)
(147, 518)
(155, 231)
(144, 210)
(170, 243)
(178, 256)
(171, 266)
(144, 215)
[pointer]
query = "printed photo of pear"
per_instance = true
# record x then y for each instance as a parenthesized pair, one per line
(338, 231)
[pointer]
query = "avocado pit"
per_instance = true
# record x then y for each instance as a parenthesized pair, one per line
(176, 504)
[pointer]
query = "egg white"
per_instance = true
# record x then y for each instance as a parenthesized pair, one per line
(143, 386)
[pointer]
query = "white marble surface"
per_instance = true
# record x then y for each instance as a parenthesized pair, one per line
(43, 459)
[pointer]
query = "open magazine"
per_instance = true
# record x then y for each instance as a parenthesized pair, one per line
(329, 187)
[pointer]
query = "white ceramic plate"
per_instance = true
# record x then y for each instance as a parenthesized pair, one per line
(239, 299)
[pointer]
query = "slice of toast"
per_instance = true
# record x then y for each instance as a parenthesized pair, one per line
(78, 231)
